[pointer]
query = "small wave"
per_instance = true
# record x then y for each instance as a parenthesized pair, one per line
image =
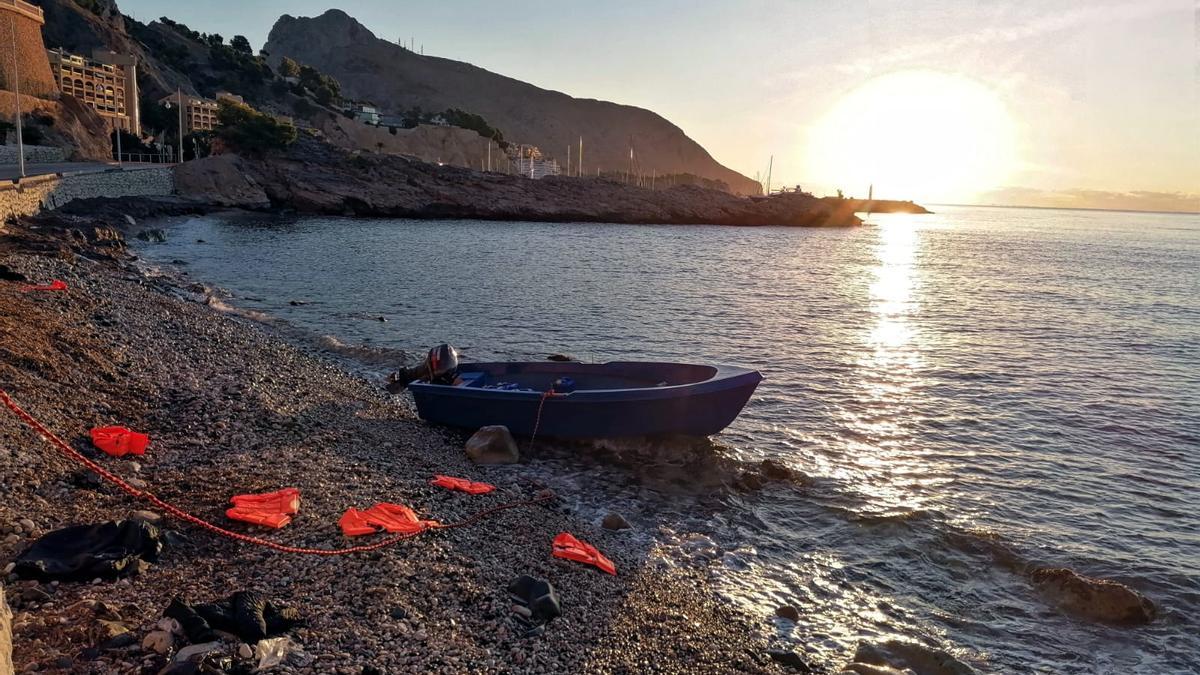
(895, 516)
(225, 308)
(370, 355)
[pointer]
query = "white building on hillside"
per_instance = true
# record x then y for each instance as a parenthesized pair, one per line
(528, 161)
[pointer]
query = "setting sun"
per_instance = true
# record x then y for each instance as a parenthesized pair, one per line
(915, 134)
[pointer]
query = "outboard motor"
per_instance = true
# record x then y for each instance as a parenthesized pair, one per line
(439, 367)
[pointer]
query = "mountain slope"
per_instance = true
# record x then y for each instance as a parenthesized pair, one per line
(397, 79)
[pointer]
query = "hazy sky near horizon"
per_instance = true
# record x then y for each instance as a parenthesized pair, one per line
(1102, 97)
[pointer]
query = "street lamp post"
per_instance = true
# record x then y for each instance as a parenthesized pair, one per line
(17, 96)
(179, 100)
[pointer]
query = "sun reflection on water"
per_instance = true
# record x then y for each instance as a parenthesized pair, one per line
(885, 461)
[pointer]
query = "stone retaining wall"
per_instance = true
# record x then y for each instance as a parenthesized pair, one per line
(34, 154)
(28, 196)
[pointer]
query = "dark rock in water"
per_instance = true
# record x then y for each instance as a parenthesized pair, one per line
(7, 274)
(493, 445)
(614, 521)
(538, 595)
(749, 481)
(788, 612)
(775, 470)
(156, 236)
(560, 357)
(899, 655)
(177, 261)
(297, 303)
(381, 319)
(201, 241)
(1094, 599)
(790, 660)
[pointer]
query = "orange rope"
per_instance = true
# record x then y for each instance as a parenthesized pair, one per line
(537, 422)
(185, 516)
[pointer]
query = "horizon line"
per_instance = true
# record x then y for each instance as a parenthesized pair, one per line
(1063, 208)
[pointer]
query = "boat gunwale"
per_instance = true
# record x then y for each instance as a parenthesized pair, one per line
(724, 377)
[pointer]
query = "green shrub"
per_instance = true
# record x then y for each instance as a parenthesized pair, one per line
(241, 45)
(250, 132)
(289, 68)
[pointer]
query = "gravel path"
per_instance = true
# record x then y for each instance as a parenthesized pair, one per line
(232, 409)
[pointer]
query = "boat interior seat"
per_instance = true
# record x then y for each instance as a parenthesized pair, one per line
(470, 379)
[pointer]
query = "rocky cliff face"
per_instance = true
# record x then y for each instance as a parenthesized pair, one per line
(397, 79)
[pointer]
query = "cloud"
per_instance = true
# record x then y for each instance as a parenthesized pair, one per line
(938, 49)
(1137, 200)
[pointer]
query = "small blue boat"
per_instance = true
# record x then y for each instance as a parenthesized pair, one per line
(579, 400)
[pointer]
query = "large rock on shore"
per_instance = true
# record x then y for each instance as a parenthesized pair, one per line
(1096, 599)
(493, 445)
(895, 657)
(219, 180)
(6, 663)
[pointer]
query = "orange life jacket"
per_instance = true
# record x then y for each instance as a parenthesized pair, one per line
(354, 523)
(264, 518)
(395, 518)
(286, 500)
(119, 441)
(567, 546)
(270, 509)
(462, 484)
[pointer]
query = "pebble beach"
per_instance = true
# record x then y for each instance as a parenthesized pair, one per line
(232, 408)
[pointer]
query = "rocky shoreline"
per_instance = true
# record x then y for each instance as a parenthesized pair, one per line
(314, 177)
(233, 409)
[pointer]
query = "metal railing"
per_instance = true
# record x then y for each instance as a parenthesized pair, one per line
(145, 157)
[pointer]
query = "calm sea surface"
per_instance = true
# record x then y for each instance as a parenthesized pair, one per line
(966, 395)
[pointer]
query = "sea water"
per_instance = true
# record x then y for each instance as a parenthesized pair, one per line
(965, 396)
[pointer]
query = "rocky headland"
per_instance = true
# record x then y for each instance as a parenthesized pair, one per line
(315, 177)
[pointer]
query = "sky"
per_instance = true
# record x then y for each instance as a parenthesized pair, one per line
(1044, 103)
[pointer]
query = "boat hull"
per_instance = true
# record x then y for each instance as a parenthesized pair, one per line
(693, 408)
